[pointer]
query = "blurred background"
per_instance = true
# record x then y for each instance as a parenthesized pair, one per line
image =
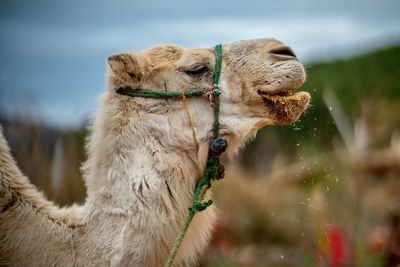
(322, 192)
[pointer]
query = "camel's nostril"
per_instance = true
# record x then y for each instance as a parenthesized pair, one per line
(282, 51)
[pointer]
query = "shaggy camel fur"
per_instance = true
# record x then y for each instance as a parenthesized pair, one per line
(143, 161)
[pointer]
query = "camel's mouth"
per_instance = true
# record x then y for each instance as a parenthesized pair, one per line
(285, 106)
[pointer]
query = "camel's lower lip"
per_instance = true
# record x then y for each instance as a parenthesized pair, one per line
(286, 107)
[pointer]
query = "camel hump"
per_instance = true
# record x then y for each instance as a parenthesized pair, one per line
(8, 169)
(16, 191)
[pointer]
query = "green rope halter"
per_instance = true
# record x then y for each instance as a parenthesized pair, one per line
(214, 170)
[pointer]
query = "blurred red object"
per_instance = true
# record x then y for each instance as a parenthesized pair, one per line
(337, 247)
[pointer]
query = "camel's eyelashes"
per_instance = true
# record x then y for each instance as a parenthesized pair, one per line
(132, 75)
(197, 71)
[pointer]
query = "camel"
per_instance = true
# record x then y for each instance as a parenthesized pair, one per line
(143, 160)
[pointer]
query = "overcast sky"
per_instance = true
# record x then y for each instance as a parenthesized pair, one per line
(53, 52)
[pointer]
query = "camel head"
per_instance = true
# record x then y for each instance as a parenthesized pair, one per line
(258, 83)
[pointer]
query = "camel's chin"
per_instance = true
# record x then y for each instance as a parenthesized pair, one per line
(286, 108)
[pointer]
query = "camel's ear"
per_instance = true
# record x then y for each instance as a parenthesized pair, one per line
(129, 66)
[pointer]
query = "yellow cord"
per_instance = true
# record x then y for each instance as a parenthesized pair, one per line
(185, 104)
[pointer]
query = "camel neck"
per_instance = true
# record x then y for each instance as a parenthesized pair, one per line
(133, 162)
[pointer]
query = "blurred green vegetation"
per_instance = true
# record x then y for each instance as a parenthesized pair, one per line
(374, 75)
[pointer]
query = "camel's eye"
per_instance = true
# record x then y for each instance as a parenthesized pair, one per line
(197, 71)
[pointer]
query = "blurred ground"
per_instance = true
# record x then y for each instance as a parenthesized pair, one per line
(324, 192)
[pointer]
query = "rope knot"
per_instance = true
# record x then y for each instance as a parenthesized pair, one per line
(212, 93)
(216, 91)
(218, 146)
(200, 206)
